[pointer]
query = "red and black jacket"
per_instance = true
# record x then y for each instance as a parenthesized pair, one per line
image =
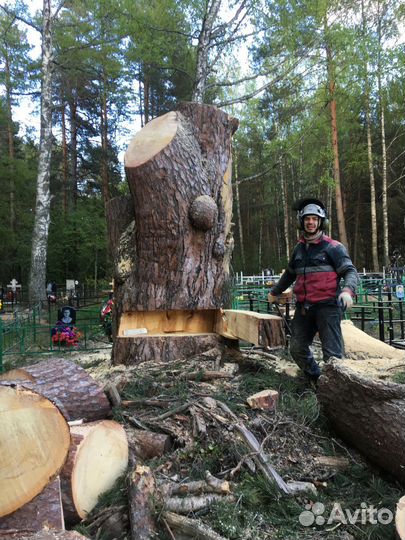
(317, 269)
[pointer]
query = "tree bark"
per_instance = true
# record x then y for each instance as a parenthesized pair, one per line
(177, 253)
(34, 441)
(44, 511)
(334, 136)
(45, 535)
(65, 383)
(39, 247)
(367, 413)
(147, 444)
(141, 487)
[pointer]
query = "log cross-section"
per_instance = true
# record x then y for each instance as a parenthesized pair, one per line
(34, 443)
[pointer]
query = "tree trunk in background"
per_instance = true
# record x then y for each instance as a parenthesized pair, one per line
(284, 206)
(65, 163)
(73, 146)
(334, 135)
(176, 254)
(10, 137)
(238, 212)
(373, 207)
(105, 184)
(39, 249)
(203, 48)
(260, 246)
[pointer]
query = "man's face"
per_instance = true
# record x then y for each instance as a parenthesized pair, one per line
(311, 224)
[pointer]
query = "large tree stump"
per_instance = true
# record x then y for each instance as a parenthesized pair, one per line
(34, 442)
(97, 457)
(66, 384)
(175, 254)
(367, 412)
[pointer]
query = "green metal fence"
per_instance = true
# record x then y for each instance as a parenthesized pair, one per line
(29, 332)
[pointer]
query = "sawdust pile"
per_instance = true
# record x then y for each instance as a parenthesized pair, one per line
(369, 356)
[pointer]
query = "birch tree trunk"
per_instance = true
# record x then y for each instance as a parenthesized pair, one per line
(37, 278)
(373, 208)
(383, 146)
(203, 47)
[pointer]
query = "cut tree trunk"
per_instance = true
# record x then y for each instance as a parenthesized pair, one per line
(366, 412)
(98, 456)
(175, 255)
(44, 511)
(147, 444)
(66, 384)
(34, 443)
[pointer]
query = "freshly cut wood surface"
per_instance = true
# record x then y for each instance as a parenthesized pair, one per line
(400, 518)
(34, 442)
(257, 328)
(156, 135)
(164, 322)
(97, 457)
(64, 382)
(44, 511)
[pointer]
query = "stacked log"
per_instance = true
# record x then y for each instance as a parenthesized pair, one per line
(54, 465)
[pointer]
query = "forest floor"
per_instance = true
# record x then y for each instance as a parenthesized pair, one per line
(201, 417)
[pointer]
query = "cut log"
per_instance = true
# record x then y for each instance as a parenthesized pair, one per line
(44, 511)
(141, 487)
(34, 443)
(266, 400)
(64, 382)
(366, 412)
(147, 444)
(45, 534)
(98, 456)
(400, 519)
(176, 255)
(260, 329)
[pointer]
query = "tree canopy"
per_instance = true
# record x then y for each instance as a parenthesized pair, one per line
(318, 86)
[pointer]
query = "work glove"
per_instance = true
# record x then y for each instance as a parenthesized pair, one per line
(345, 300)
(272, 299)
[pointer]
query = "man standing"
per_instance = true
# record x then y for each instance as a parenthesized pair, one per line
(316, 266)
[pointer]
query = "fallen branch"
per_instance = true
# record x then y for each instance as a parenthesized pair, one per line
(191, 527)
(211, 484)
(184, 505)
(261, 458)
(141, 487)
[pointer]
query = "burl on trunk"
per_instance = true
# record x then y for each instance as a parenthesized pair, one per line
(174, 245)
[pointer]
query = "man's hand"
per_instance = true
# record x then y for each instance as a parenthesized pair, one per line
(272, 299)
(345, 300)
